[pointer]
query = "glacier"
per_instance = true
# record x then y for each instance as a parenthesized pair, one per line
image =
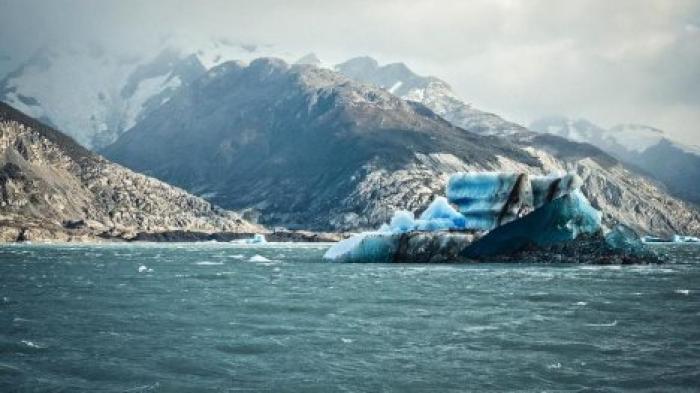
(496, 215)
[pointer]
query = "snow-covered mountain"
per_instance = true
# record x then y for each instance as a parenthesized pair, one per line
(674, 164)
(95, 94)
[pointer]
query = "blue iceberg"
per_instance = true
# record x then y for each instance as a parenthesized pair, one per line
(561, 220)
(364, 247)
(515, 210)
(548, 188)
(440, 215)
(488, 199)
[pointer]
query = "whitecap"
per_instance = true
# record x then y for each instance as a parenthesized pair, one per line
(346, 340)
(237, 256)
(580, 303)
(32, 344)
(682, 291)
(208, 263)
(258, 258)
(554, 366)
(611, 324)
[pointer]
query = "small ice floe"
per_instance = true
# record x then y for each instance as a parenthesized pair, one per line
(682, 291)
(145, 269)
(258, 258)
(208, 263)
(611, 324)
(256, 239)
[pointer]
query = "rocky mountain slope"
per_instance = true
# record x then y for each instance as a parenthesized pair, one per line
(51, 188)
(302, 146)
(432, 92)
(675, 165)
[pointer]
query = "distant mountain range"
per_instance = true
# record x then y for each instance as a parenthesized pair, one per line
(302, 146)
(51, 188)
(309, 145)
(675, 165)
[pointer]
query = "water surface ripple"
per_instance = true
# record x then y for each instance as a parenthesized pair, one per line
(219, 317)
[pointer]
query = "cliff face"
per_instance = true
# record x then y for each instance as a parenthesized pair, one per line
(52, 188)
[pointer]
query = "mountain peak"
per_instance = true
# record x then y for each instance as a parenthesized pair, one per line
(309, 59)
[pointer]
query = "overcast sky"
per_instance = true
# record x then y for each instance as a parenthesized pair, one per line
(608, 61)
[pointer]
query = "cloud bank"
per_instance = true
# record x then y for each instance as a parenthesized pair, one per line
(609, 61)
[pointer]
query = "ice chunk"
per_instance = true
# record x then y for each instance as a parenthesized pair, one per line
(548, 188)
(364, 247)
(561, 220)
(402, 221)
(685, 239)
(257, 239)
(488, 199)
(440, 215)
(625, 239)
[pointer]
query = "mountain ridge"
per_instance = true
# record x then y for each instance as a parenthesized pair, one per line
(51, 188)
(307, 147)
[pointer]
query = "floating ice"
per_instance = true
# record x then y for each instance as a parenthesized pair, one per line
(256, 239)
(487, 199)
(364, 247)
(685, 239)
(145, 269)
(402, 221)
(440, 215)
(504, 203)
(548, 188)
(561, 220)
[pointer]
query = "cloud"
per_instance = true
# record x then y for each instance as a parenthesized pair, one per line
(610, 61)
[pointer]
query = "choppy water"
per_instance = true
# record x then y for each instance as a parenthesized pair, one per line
(214, 317)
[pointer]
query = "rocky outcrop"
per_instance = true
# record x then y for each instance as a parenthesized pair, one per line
(53, 189)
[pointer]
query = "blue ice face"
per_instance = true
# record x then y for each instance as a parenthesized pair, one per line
(561, 220)
(402, 221)
(487, 199)
(548, 188)
(440, 215)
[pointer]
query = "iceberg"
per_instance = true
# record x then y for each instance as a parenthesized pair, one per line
(364, 247)
(499, 217)
(402, 221)
(561, 220)
(440, 215)
(545, 189)
(488, 199)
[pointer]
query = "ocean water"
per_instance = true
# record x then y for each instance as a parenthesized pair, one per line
(225, 318)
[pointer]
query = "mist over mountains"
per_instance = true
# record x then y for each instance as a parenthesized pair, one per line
(674, 164)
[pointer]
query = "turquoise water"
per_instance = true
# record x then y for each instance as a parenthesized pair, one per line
(217, 317)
